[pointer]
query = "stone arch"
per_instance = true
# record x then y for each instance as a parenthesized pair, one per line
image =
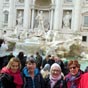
(5, 11)
(43, 2)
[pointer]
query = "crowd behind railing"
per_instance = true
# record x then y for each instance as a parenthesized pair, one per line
(34, 71)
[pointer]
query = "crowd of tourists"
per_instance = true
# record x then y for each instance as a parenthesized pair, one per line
(34, 71)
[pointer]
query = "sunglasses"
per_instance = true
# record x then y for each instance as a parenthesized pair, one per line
(72, 67)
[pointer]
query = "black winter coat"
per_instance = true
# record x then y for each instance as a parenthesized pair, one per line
(38, 82)
(59, 84)
(6, 81)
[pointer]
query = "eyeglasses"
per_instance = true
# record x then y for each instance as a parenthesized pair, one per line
(55, 71)
(72, 67)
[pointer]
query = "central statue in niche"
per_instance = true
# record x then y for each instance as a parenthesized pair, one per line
(40, 19)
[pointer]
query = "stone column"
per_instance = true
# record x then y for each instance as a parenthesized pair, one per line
(51, 18)
(32, 22)
(76, 15)
(27, 14)
(33, 14)
(1, 13)
(57, 15)
(11, 13)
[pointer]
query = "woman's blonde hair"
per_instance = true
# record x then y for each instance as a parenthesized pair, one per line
(13, 59)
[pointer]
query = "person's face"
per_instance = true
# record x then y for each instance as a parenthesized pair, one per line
(14, 67)
(73, 69)
(31, 66)
(55, 72)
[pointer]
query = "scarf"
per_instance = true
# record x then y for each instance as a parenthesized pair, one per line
(54, 80)
(17, 76)
(73, 78)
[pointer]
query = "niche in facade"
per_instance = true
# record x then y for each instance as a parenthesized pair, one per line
(66, 20)
(19, 17)
(43, 2)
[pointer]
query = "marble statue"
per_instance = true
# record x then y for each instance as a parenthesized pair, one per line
(66, 20)
(20, 18)
(19, 27)
(40, 30)
(49, 36)
(40, 19)
(3, 48)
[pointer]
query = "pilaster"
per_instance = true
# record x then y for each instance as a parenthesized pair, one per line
(77, 14)
(57, 14)
(11, 14)
(27, 14)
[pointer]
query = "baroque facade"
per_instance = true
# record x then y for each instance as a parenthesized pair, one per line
(59, 15)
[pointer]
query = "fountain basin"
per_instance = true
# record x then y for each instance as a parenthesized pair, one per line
(29, 46)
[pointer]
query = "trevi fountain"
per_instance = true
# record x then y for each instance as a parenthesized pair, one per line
(57, 27)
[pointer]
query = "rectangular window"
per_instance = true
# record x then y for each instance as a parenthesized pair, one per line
(85, 21)
(6, 18)
(6, 0)
(21, 1)
(84, 38)
(68, 0)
